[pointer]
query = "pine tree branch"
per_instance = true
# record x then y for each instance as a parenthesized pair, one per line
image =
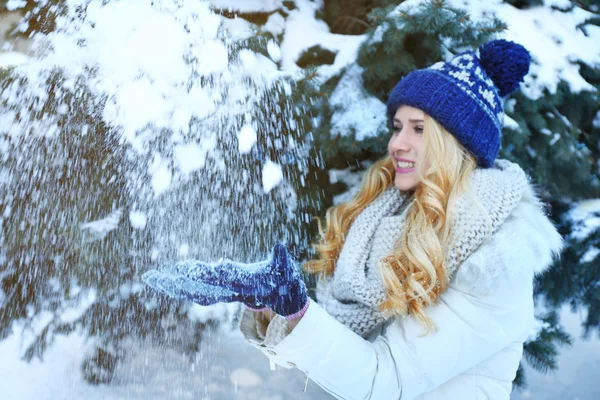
(352, 22)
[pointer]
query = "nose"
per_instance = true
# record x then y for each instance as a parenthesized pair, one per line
(399, 143)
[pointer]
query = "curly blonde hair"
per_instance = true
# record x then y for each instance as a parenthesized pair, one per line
(414, 275)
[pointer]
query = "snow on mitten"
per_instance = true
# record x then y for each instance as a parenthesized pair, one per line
(275, 283)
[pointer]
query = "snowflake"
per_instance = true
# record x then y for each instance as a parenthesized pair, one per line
(488, 95)
(462, 76)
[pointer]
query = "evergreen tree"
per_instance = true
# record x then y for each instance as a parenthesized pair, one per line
(556, 138)
(69, 194)
(553, 131)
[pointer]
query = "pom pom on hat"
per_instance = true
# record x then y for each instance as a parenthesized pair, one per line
(506, 63)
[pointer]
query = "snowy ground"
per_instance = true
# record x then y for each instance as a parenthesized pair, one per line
(227, 368)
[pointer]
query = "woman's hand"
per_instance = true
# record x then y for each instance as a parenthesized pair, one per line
(266, 315)
(275, 283)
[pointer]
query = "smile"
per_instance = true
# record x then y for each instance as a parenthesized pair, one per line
(404, 170)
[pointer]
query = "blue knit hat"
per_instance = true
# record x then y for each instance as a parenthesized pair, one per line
(465, 94)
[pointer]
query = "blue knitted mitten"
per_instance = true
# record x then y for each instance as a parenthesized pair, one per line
(275, 282)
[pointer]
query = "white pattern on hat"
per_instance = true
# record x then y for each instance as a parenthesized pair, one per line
(488, 95)
(438, 65)
(462, 76)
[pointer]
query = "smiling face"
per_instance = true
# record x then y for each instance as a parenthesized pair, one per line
(405, 145)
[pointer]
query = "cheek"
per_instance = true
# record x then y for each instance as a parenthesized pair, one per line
(419, 148)
(389, 146)
(419, 145)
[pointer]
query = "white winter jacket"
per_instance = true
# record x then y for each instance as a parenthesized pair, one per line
(483, 319)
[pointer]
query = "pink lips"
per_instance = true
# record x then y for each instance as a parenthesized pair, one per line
(404, 170)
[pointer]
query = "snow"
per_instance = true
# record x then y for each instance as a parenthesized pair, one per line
(247, 6)
(562, 4)
(204, 314)
(511, 123)
(151, 370)
(555, 139)
(552, 37)
(130, 288)
(12, 58)
(192, 156)
(141, 55)
(596, 121)
(119, 41)
(238, 28)
(226, 281)
(12, 5)
(137, 219)
(100, 228)
(586, 218)
(378, 34)
(590, 255)
(149, 62)
(539, 29)
(52, 378)
(247, 138)
(126, 109)
(193, 280)
(258, 65)
(356, 110)
(303, 31)
(351, 178)
(161, 176)
(245, 378)
(184, 250)
(538, 326)
(213, 57)
(274, 51)
(275, 24)
(272, 175)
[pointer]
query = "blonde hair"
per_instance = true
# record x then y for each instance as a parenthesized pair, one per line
(414, 275)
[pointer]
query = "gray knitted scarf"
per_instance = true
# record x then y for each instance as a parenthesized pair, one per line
(355, 289)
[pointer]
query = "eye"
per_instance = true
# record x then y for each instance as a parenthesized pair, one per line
(396, 129)
(419, 129)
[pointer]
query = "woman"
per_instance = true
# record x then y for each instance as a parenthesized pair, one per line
(427, 274)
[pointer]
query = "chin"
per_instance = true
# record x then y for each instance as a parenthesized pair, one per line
(405, 186)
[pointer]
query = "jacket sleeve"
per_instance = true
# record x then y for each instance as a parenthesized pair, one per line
(402, 363)
(262, 334)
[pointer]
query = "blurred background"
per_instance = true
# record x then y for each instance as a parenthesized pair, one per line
(134, 132)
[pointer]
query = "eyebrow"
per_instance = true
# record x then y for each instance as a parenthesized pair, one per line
(410, 120)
